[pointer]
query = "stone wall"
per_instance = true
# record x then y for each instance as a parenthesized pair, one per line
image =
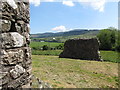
(15, 54)
(85, 49)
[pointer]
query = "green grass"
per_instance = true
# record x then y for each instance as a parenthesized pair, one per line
(74, 73)
(46, 52)
(110, 56)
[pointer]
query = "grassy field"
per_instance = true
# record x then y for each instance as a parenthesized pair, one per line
(73, 73)
(46, 52)
(110, 56)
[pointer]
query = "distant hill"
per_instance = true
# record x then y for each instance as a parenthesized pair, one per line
(68, 33)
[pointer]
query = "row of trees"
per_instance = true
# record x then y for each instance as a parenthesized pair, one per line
(46, 47)
(109, 39)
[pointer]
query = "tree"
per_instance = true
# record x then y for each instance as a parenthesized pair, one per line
(117, 47)
(107, 39)
(45, 47)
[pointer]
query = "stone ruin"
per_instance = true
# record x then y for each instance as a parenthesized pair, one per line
(15, 54)
(84, 49)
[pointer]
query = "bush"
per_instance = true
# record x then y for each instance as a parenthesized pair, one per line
(45, 47)
(60, 47)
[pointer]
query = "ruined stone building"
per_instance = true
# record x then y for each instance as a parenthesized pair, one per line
(15, 54)
(85, 49)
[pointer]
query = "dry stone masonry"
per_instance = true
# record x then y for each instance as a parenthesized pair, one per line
(85, 49)
(15, 54)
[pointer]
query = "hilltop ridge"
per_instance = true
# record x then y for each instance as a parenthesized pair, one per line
(67, 33)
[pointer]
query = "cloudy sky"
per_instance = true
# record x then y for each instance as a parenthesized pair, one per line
(51, 16)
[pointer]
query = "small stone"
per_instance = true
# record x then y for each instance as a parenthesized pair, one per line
(14, 73)
(21, 22)
(18, 39)
(5, 25)
(26, 86)
(17, 71)
(12, 3)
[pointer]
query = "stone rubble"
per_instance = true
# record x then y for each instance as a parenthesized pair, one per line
(41, 84)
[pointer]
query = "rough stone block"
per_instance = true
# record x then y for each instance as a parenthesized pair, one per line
(23, 11)
(24, 29)
(12, 10)
(4, 78)
(23, 80)
(29, 70)
(8, 12)
(26, 63)
(11, 40)
(5, 25)
(11, 56)
(27, 36)
(17, 71)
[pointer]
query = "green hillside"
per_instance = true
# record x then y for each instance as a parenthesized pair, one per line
(63, 36)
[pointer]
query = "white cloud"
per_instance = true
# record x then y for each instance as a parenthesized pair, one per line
(35, 2)
(100, 5)
(49, 0)
(96, 5)
(59, 28)
(68, 3)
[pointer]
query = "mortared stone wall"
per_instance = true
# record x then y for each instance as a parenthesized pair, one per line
(84, 49)
(15, 53)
